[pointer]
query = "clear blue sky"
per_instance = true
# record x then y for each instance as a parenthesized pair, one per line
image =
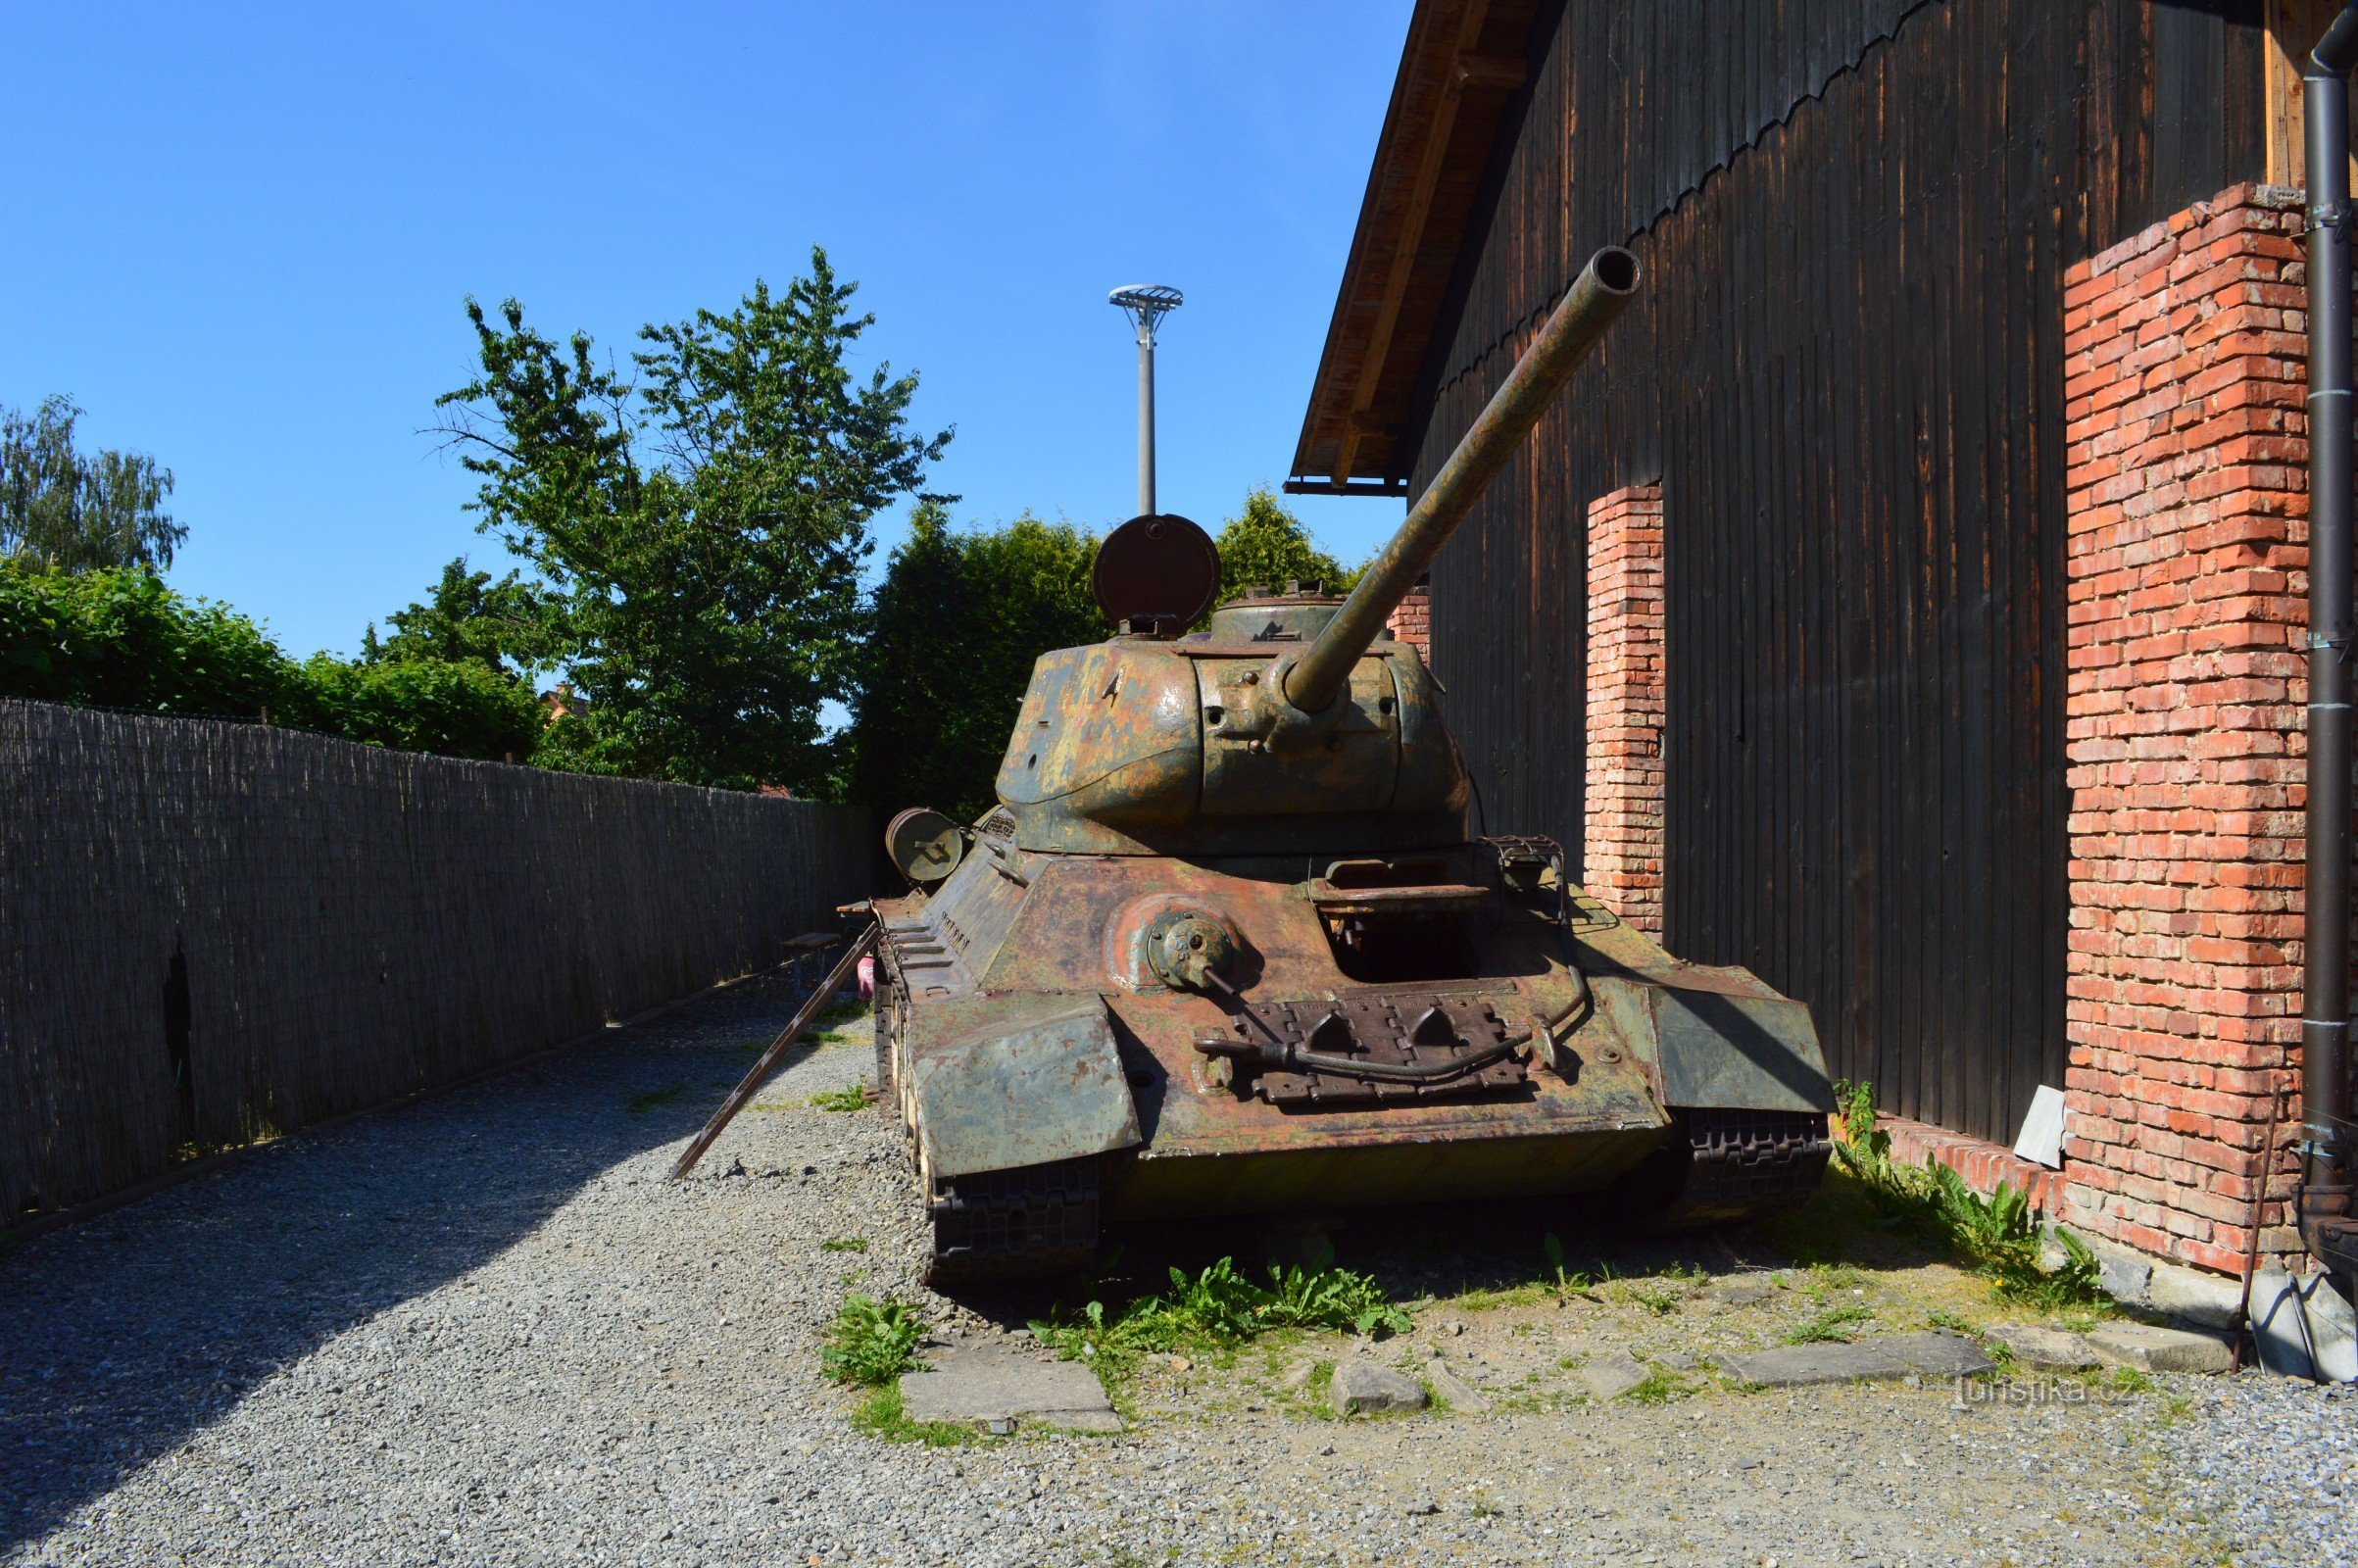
(239, 238)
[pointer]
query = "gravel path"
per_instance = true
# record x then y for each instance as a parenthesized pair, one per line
(481, 1328)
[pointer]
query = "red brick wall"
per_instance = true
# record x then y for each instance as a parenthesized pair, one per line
(1413, 621)
(1622, 821)
(2185, 440)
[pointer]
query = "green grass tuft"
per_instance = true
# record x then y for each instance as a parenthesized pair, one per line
(845, 1244)
(1220, 1309)
(1832, 1327)
(854, 1097)
(880, 1415)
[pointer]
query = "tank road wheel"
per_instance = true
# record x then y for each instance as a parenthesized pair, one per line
(1728, 1166)
(1013, 1224)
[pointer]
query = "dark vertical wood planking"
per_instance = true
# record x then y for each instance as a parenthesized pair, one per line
(1847, 374)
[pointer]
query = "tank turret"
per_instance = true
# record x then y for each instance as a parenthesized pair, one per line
(1287, 706)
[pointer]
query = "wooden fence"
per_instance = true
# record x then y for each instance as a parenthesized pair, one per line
(212, 931)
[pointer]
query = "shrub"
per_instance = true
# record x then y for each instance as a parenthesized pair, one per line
(122, 639)
(871, 1341)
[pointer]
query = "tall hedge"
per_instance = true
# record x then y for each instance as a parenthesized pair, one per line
(124, 639)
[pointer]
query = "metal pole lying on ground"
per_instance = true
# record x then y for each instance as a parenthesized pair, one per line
(742, 1096)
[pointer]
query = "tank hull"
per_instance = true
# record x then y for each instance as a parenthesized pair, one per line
(1025, 1028)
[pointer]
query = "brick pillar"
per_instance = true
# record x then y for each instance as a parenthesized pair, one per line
(1413, 621)
(1622, 821)
(2186, 576)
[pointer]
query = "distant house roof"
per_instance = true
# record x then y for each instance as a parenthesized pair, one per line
(1460, 70)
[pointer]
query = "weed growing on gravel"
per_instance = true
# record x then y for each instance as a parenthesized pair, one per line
(1998, 1232)
(1830, 1327)
(1659, 1387)
(870, 1341)
(854, 1097)
(881, 1415)
(1220, 1309)
(640, 1104)
(845, 1244)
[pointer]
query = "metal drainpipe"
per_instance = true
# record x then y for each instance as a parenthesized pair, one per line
(2326, 931)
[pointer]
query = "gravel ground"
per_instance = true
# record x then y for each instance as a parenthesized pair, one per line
(481, 1328)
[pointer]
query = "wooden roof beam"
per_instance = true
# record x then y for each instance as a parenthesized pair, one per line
(1434, 159)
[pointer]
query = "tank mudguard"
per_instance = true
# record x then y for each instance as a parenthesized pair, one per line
(1720, 1050)
(1004, 1082)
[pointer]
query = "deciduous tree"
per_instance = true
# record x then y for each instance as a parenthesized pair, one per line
(67, 510)
(703, 529)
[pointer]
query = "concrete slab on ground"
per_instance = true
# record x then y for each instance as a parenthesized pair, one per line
(1609, 1377)
(2045, 1349)
(982, 1384)
(1933, 1354)
(2149, 1349)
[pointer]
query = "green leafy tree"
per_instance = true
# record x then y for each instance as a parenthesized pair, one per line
(67, 510)
(702, 531)
(507, 625)
(956, 624)
(1266, 545)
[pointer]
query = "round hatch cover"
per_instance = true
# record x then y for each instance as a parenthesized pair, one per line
(1157, 571)
(925, 845)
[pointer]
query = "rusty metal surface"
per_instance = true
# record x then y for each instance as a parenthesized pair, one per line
(1371, 1048)
(1001, 1082)
(1141, 747)
(985, 941)
(1160, 568)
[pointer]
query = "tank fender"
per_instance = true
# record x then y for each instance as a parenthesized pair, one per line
(1720, 1049)
(1003, 1082)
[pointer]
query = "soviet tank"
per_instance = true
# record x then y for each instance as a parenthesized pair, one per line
(1228, 944)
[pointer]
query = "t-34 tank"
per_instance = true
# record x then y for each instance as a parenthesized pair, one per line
(1227, 944)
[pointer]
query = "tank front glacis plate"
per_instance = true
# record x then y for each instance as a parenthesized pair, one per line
(1014, 925)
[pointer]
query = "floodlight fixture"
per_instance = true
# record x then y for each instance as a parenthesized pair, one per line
(1146, 304)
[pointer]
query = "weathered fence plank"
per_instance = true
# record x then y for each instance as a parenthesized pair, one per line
(212, 931)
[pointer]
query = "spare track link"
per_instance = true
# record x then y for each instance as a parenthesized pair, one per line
(1742, 1163)
(1013, 1224)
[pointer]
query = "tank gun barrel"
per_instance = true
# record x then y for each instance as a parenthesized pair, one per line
(1314, 680)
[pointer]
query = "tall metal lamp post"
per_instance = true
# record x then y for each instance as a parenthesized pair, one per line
(1146, 304)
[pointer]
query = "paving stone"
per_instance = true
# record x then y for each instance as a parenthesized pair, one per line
(1454, 1390)
(1932, 1354)
(2044, 1349)
(1742, 1289)
(2148, 1349)
(1360, 1386)
(982, 1384)
(1609, 1377)
(1938, 1353)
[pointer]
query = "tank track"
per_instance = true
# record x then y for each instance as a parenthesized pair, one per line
(1746, 1163)
(1013, 1224)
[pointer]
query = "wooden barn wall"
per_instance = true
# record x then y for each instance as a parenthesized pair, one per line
(1846, 373)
